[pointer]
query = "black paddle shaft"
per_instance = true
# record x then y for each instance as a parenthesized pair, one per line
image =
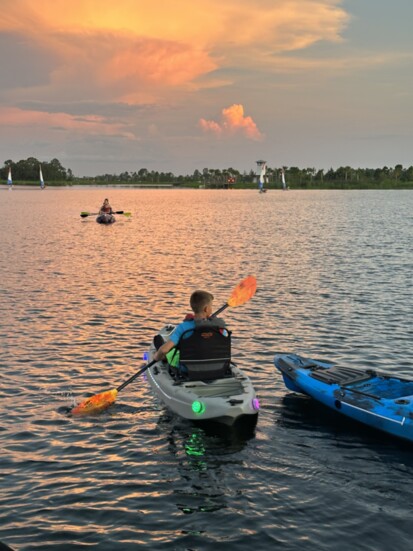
(142, 370)
(215, 314)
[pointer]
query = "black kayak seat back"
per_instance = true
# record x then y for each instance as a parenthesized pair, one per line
(205, 351)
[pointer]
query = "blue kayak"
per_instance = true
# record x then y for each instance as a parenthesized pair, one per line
(379, 400)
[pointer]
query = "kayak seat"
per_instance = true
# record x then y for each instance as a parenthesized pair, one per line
(342, 375)
(206, 353)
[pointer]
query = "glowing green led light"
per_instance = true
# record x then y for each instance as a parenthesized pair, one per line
(198, 407)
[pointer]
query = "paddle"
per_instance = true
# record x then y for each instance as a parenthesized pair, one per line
(99, 402)
(84, 214)
(240, 295)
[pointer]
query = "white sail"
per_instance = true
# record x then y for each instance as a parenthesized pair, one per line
(9, 180)
(41, 178)
(283, 178)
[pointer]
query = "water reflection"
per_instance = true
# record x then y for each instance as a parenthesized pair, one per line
(314, 421)
(206, 455)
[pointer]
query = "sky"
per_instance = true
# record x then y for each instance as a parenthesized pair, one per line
(177, 85)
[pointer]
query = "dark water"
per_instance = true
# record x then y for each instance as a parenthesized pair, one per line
(79, 305)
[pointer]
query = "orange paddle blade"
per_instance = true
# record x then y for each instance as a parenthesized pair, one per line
(96, 403)
(243, 291)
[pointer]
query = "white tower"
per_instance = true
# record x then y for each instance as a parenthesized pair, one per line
(262, 170)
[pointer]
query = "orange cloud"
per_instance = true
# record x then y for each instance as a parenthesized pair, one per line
(206, 23)
(124, 48)
(92, 125)
(233, 121)
(156, 61)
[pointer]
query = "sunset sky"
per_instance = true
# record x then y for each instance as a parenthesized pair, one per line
(107, 87)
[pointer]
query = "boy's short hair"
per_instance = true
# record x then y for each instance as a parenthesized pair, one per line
(199, 299)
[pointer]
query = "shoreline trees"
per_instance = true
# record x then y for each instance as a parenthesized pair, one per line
(27, 171)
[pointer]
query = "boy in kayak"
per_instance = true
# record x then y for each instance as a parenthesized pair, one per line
(106, 208)
(201, 304)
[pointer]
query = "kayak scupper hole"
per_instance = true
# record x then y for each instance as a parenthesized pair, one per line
(402, 401)
(337, 403)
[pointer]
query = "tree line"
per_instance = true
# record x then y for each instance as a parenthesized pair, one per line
(53, 172)
(28, 170)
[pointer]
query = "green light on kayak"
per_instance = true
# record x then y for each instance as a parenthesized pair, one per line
(198, 407)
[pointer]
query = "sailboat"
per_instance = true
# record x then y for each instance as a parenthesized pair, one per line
(41, 178)
(9, 180)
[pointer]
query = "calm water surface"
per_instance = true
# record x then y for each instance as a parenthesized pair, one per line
(80, 304)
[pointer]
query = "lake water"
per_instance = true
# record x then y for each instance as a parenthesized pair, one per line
(80, 303)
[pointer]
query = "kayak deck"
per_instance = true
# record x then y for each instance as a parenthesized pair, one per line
(378, 385)
(380, 400)
(375, 385)
(220, 388)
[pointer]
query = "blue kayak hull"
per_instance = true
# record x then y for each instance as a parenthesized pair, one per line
(379, 400)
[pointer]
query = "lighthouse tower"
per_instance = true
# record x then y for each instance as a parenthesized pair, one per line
(261, 172)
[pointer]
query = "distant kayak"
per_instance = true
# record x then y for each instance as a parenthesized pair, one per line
(379, 400)
(105, 219)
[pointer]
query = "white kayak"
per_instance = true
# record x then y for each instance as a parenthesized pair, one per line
(223, 400)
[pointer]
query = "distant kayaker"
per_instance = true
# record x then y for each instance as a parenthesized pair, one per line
(106, 208)
(201, 304)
